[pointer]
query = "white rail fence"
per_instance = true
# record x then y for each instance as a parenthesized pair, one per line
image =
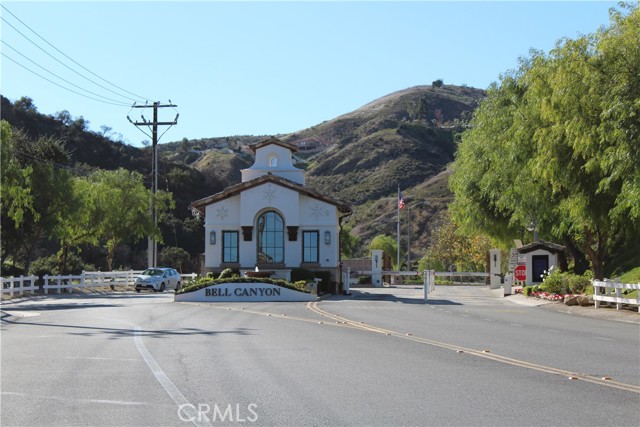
(12, 284)
(462, 275)
(602, 292)
(88, 279)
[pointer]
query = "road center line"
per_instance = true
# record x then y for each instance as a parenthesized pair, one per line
(484, 354)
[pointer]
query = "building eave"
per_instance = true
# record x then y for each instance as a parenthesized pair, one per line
(234, 190)
(548, 246)
(274, 141)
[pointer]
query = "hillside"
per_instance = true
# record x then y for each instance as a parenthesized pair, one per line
(404, 139)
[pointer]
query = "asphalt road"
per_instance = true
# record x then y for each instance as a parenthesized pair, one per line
(378, 357)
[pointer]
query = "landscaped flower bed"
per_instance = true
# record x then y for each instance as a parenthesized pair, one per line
(550, 296)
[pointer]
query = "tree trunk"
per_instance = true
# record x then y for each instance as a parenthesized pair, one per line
(595, 256)
(62, 266)
(580, 262)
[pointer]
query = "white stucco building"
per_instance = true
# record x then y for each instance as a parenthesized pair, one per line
(540, 257)
(271, 220)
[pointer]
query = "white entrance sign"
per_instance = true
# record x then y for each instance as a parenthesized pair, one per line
(244, 292)
(494, 268)
(376, 268)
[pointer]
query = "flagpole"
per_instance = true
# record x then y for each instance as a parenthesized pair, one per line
(398, 233)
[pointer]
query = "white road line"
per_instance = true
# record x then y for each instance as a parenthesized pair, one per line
(516, 324)
(603, 338)
(102, 358)
(67, 399)
(174, 393)
(21, 313)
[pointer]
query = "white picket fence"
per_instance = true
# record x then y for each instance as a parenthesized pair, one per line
(87, 279)
(602, 292)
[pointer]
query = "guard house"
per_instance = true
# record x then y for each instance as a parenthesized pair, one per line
(540, 257)
(271, 220)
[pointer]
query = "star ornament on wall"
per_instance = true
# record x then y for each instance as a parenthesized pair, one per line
(222, 212)
(270, 194)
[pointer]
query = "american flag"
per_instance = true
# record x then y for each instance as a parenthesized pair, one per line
(400, 201)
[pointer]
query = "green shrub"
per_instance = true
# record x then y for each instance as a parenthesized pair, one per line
(49, 265)
(300, 285)
(557, 282)
(204, 282)
(298, 274)
(325, 285)
(364, 280)
(578, 284)
(228, 272)
(526, 290)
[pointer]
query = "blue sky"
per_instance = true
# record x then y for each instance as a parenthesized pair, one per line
(264, 68)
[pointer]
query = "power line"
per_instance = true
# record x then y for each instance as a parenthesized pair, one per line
(59, 85)
(62, 63)
(54, 74)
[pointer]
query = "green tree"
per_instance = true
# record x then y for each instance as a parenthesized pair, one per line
(77, 219)
(123, 205)
(348, 243)
(15, 191)
(389, 246)
(175, 257)
(553, 142)
(45, 185)
(450, 247)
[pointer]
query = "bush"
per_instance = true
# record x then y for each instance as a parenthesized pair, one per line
(578, 284)
(557, 282)
(228, 272)
(526, 290)
(204, 282)
(49, 265)
(364, 280)
(299, 274)
(325, 285)
(175, 257)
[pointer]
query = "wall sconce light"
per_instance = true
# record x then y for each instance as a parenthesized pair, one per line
(212, 237)
(327, 237)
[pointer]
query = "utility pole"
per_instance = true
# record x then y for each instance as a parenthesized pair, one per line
(152, 248)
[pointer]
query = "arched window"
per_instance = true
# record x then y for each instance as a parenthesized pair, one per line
(273, 161)
(270, 238)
